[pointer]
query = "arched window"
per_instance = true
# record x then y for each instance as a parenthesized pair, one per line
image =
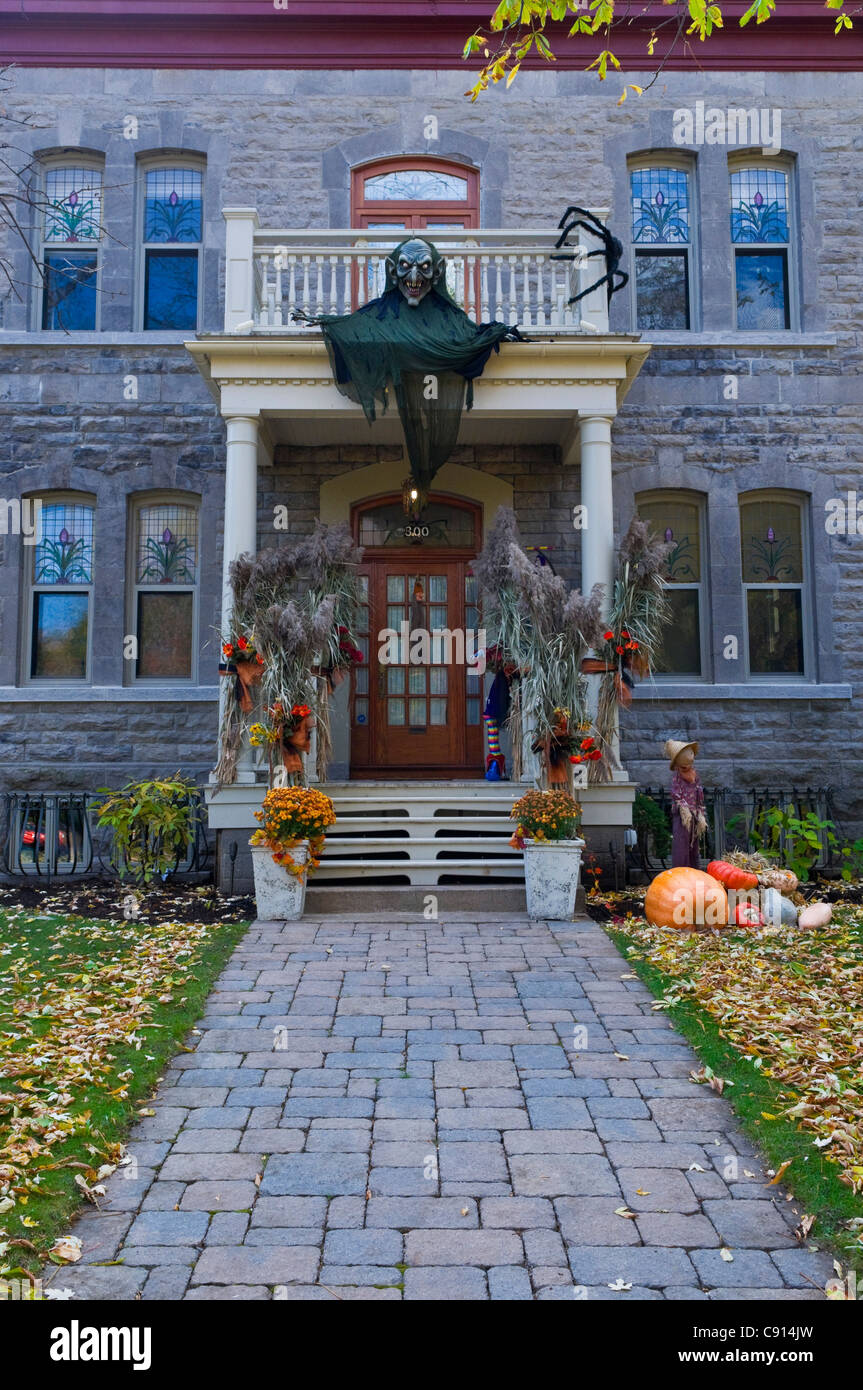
(60, 588)
(678, 517)
(396, 195)
(773, 561)
(662, 242)
(393, 197)
(762, 237)
(164, 588)
(172, 220)
(71, 237)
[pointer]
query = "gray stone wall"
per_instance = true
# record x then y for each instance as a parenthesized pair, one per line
(285, 142)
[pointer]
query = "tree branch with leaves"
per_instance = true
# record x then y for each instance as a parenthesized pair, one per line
(519, 29)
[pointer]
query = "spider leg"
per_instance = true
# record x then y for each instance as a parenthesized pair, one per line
(595, 286)
(569, 228)
(570, 255)
(597, 227)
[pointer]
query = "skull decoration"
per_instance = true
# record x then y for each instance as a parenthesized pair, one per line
(414, 270)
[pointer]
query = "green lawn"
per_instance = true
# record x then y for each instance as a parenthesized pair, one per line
(781, 1017)
(90, 1013)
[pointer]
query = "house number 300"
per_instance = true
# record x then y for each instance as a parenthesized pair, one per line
(416, 532)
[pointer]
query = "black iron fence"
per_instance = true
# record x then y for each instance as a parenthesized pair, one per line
(737, 819)
(51, 836)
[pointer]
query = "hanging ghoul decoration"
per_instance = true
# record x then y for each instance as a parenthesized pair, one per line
(417, 339)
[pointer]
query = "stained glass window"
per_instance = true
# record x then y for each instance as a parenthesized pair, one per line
(173, 219)
(167, 544)
(759, 205)
(64, 553)
(173, 206)
(73, 211)
(771, 542)
(73, 198)
(760, 218)
(660, 205)
(661, 246)
(771, 545)
(166, 569)
(415, 185)
(677, 520)
(62, 576)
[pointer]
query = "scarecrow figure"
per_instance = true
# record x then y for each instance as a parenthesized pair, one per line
(688, 818)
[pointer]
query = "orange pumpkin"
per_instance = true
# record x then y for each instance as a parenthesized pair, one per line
(730, 876)
(686, 898)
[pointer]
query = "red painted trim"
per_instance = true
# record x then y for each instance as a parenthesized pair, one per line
(389, 34)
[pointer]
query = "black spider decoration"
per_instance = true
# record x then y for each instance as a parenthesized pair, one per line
(611, 249)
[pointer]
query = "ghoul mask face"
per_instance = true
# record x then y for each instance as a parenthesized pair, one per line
(415, 270)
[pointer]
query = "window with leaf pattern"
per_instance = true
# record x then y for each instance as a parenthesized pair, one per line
(164, 589)
(678, 519)
(70, 252)
(761, 237)
(661, 245)
(173, 238)
(61, 590)
(774, 583)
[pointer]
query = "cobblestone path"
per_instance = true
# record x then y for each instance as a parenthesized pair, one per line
(384, 1109)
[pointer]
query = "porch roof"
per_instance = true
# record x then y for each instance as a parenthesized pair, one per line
(287, 380)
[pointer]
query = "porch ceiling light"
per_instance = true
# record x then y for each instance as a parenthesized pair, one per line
(413, 498)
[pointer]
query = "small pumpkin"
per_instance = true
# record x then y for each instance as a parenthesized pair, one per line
(783, 879)
(815, 915)
(730, 876)
(778, 911)
(747, 915)
(686, 898)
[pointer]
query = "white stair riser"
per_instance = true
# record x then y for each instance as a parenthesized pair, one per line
(402, 824)
(418, 873)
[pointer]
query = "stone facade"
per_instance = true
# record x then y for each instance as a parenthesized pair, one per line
(285, 142)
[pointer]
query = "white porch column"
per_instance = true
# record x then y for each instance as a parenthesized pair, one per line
(597, 536)
(240, 535)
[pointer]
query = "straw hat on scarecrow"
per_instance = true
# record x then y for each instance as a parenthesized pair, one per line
(679, 753)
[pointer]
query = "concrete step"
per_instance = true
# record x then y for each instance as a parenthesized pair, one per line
(468, 901)
(471, 846)
(365, 900)
(419, 871)
(420, 825)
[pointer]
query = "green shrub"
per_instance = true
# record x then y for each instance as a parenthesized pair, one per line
(152, 823)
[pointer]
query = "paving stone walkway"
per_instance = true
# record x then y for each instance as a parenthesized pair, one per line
(384, 1109)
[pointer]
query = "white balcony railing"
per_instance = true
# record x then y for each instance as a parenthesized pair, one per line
(271, 274)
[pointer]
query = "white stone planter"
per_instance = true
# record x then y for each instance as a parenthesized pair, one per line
(551, 874)
(280, 896)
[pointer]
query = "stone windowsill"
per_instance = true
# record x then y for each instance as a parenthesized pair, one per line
(667, 337)
(749, 690)
(121, 694)
(12, 337)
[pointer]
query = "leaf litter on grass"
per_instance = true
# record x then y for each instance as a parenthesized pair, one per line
(73, 993)
(791, 1002)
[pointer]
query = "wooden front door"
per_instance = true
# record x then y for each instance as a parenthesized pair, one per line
(416, 702)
